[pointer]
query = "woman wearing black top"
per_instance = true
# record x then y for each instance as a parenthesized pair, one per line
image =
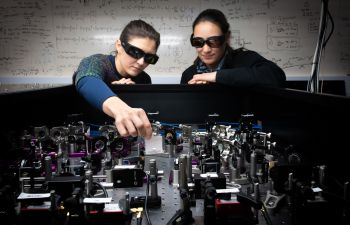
(220, 63)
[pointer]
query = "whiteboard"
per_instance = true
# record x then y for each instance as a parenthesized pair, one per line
(44, 40)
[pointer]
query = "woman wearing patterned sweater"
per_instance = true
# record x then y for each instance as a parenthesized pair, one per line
(135, 50)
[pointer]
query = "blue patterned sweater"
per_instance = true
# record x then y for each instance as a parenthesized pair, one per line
(94, 76)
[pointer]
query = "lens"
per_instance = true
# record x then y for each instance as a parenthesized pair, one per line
(216, 41)
(138, 53)
(197, 42)
(151, 58)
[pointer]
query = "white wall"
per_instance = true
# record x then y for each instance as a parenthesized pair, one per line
(42, 41)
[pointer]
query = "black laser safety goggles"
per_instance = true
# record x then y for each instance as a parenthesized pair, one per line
(213, 42)
(137, 53)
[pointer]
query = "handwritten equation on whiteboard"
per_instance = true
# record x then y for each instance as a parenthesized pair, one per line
(50, 37)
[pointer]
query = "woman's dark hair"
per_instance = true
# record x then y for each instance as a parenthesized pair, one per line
(214, 16)
(139, 28)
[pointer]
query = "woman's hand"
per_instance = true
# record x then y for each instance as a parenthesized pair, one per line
(203, 78)
(123, 81)
(129, 121)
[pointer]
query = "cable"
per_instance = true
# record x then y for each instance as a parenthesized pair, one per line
(328, 17)
(332, 28)
(146, 200)
(314, 70)
(313, 83)
(103, 188)
(265, 214)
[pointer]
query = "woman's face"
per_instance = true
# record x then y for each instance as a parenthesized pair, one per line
(129, 66)
(210, 56)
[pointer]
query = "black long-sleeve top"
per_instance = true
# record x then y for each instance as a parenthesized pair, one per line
(243, 68)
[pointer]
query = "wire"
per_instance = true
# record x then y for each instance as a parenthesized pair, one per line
(313, 83)
(146, 200)
(102, 187)
(266, 215)
(332, 28)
